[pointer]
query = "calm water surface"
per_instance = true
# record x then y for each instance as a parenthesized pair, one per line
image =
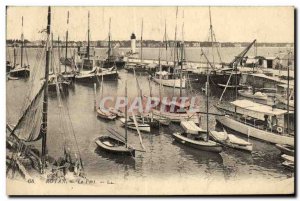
(163, 156)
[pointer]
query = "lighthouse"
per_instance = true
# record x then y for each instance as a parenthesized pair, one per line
(133, 43)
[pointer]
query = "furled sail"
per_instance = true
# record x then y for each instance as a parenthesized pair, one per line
(29, 125)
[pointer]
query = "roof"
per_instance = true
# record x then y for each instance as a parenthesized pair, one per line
(256, 107)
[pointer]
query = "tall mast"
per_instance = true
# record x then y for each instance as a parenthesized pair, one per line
(175, 43)
(58, 50)
(211, 35)
(166, 42)
(45, 99)
(52, 55)
(142, 40)
(109, 46)
(181, 66)
(288, 94)
(207, 90)
(22, 44)
(88, 45)
(126, 102)
(67, 34)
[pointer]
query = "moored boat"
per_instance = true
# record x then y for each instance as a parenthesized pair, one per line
(259, 121)
(141, 126)
(196, 142)
(115, 146)
(253, 95)
(231, 141)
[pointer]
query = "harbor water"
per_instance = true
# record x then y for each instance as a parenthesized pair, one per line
(163, 158)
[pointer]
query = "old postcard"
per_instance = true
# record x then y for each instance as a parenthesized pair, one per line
(175, 100)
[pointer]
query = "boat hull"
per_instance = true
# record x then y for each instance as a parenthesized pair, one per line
(215, 79)
(20, 72)
(170, 82)
(252, 96)
(204, 146)
(254, 132)
(228, 143)
(120, 149)
(106, 115)
(176, 117)
(92, 78)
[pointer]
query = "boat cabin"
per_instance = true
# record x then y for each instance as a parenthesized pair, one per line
(264, 117)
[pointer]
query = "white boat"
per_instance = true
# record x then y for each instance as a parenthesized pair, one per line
(248, 121)
(131, 125)
(177, 117)
(167, 79)
(249, 94)
(191, 127)
(231, 140)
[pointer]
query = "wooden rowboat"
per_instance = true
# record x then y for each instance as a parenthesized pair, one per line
(114, 145)
(141, 126)
(105, 114)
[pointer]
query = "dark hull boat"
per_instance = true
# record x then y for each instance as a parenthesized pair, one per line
(118, 63)
(197, 143)
(115, 146)
(63, 86)
(93, 77)
(23, 72)
(216, 78)
(66, 61)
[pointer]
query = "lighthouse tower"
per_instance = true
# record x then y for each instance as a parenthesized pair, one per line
(133, 43)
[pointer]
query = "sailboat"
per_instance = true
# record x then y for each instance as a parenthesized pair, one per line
(20, 70)
(199, 139)
(86, 53)
(116, 143)
(113, 58)
(219, 73)
(32, 127)
(181, 110)
(103, 113)
(56, 80)
(68, 62)
(173, 76)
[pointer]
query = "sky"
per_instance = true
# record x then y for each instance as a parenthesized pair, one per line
(230, 24)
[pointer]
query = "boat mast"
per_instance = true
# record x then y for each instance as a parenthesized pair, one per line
(181, 57)
(288, 94)
(45, 99)
(175, 39)
(22, 44)
(142, 40)
(206, 91)
(67, 35)
(166, 43)
(88, 45)
(109, 46)
(126, 102)
(181, 63)
(58, 50)
(211, 35)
